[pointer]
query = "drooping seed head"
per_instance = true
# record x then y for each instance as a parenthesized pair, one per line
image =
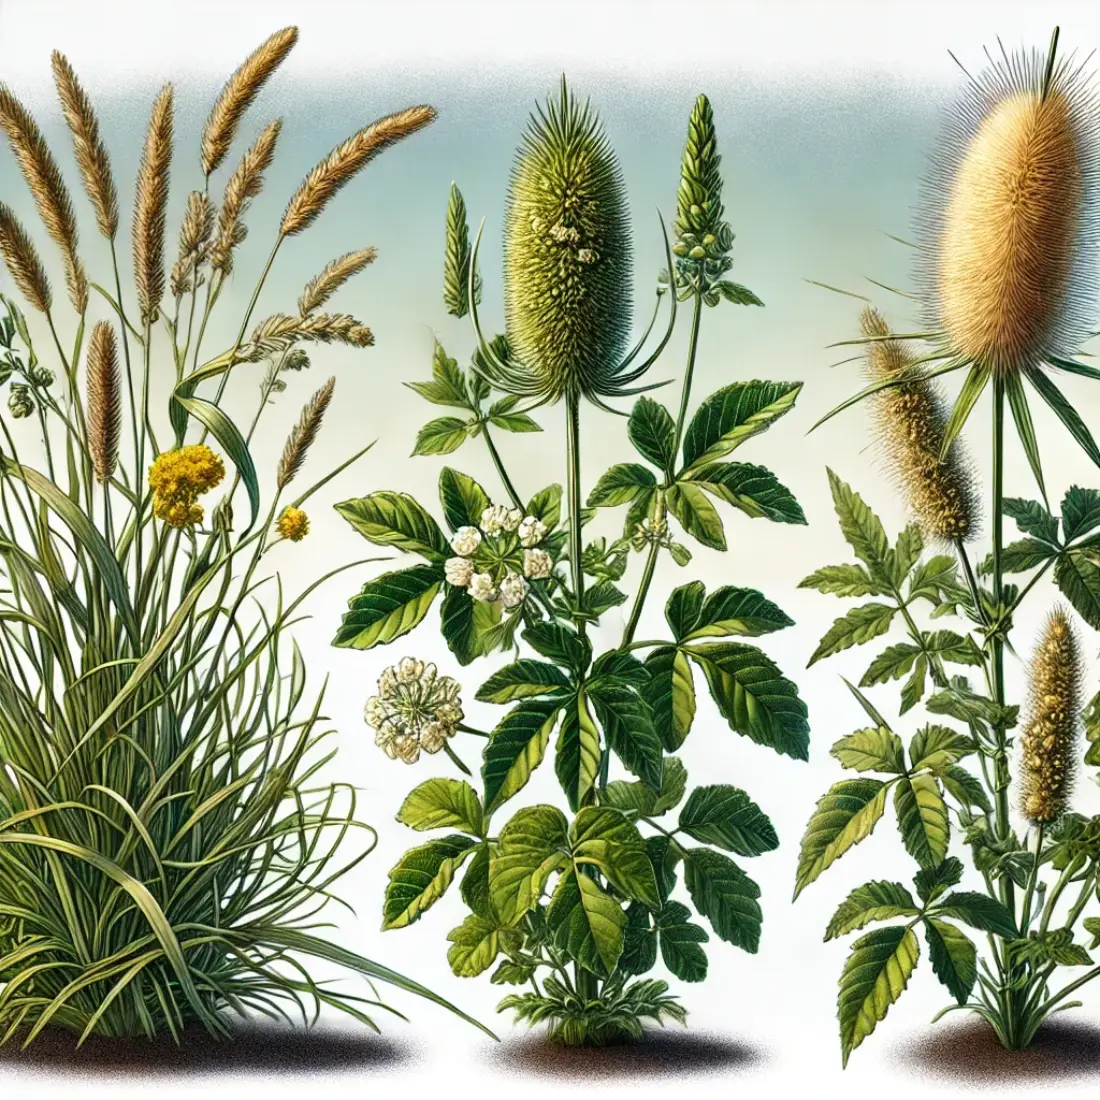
(910, 423)
(567, 254)
(1009, 217)
(1048, 743)
(23, 262)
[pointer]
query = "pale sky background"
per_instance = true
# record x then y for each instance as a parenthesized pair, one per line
(825, 116)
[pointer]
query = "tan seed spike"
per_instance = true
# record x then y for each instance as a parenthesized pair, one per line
(23, 262)
(278, 332)
(910, 423)
(1010, 230)
(51, 196)
(239, 92)
(195, 234)
(303, 434)
(150, 207)
(1047, 746)
(104, 401)
(322, 287)
(91, 154)
(244, 185)
(326, 179)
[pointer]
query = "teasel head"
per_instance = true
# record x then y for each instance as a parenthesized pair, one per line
(567, 265)
(1048, 742)
(1008, 237)
(104, 401)
(910, 422)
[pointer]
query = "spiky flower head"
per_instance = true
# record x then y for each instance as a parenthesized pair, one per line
(1008, 226)
(415, 710)
(567, 254)
(910, 421)
(292, 524)
(1048, 744)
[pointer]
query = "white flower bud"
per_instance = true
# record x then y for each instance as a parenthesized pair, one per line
(514, 590)
(537, 564)
(465, 541)
(482, 587)
(458, 571)
(531, 531)
(512, 519)
(494, 518)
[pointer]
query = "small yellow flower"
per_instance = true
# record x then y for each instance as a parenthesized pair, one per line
(178, 478)
(293, 524)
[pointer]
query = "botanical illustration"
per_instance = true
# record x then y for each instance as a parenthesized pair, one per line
(1007, 267)
(571, 903)
(167, 846)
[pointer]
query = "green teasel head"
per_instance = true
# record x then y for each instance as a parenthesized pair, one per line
(568, 270)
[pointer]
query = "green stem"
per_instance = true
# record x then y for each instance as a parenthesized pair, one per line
(573, 493)
(1032, 879)
(509, 488)
(971, 579)
(643, 589)
(1001, 756)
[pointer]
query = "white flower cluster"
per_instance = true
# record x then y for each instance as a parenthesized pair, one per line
(415, 709)
(511, 582)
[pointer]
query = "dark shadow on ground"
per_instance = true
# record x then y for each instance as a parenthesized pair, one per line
(970, 1054)
(254, 1049)
(659, 1054)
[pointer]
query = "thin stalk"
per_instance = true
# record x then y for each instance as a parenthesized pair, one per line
(573, 494)
(509, 488)
(1032, 880)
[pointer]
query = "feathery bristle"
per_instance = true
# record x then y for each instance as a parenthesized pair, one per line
(911, 423)
(337, 272)
(303, 434)
(195, 233)
(150, 207)
(328, 177)
(104, 401)
(51, 196)
(244, 185)
(567, 252)
(280, 331)
(91, 153)
(23, 262)
(239, 92)
(1010, 214)
(1048, 742)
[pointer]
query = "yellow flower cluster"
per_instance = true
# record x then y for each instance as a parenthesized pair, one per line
(293, 524)
(178, 478)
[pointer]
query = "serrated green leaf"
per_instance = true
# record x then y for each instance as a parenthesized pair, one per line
(874, 977)
(1078, 578)
(521, 680)
(922, 818)
(684, 607)
(1092, 927)
(680, 943)
(913, 688)
(844, 815)
(629, 730)
(1032, 518)
(736, 611)
(844, 580)
(514, 422)
(463, 499)
(696, 515)
(725, 895)
(560, 643)
(1020, 556)
(891, 664)
(936, 747)
(876, 749)
(965, 788)
(726, 817)
(931, 577)
(388, 607)
(577, 759)
(931, 882)
(670, 693)
(980, 911)
(861, 528)
(586, 923)
(442, 804)
(396, 519)
(621, 484)
(907, 552)
(441, 436)
(639, 941)
(515, 748)
(474, 886)
(1080, 512)
(512, 973)
(476, 944)
(421, 877)
(653, 433)
(860, 625)
(546, 506)
(447, 387)
(873, 901)
(734, 292)
(756, 491)
(466, 623)
(643, 800)
(954, 958)
(605, 838)
(531, 847)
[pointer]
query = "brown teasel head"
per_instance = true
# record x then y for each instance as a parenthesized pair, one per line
(1048, 742)
(910, 422)
(1008, 228)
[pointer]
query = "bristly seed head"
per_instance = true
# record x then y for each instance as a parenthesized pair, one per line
(910, 423)
(1048, 743)
(1008, 230)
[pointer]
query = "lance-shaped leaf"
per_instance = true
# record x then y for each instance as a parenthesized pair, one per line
(861, 528)
(670, 693)
(873, 901)
(442, 804)
(980, 911)
(1080, 511)
(463, 499)
(515, 748)
(441, 436)
(388, 607)
(466, 624)
(628, 727)
(523, 679)
(965, 788)
(922, 818)
(726, 817)
(876, 749)
(1078, 577)
(1032, 518)
(972, 388)
(683, 608)
(725, 895)
(756, 491)
(892, 663)
(586, 923)
(954, 958)
(577, 758)
(845, 581)
(560, 644)
(395, 519)
(860, 625)
(421, 877)
(1064, 410)
(530, 848)
(932, 882)
(622, 484)
(448, 386)
(696, 515)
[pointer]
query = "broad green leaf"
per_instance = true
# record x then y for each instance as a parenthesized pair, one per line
(726, 817)
(474, 886)
(935, 747)
(844, 580)
(447, 386)
(980, 911)
(965, 788)
(871, 750)
(531, 847)
(514, 422)
(512, 973)
(1020, 556)
(754, 697)
(931, 882)
(442, 436)
(476, 943)
(732, 415)
(725, 895)
(463, 499)
(743, 611)
(515, 748)
(954, 958)
(892, 663)
(844, 815)
(522, 679)
(680, 943)
(465, 624)
(861, 527)
(560, 644)
(755, 490)
(606, 839)
(734, 292)
(684, 606)
(860, 625)
(670, 693)
(396, 519)
(696, 515)
(665, 857)
(618, 669)
(586, 923)
(907, 552)
(1092, 926)
(1080, 512)
(873, 901)
(874, 977)
(621, 484)
(1078, 577)
(577, 759)
(932, 576)
(957, 648)
(389, 606)
(546, 505)
(641, 799)
(421, 877)
(442, 804)
(653, 433)
(922, 818)
(1032, 518)
(913, 688)
(639, 942)
(629, 730)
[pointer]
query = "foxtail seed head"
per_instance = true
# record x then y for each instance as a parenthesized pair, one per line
(567, 254)
(1047, 747)
(104, 401)
(1008, 229)
(910, 423)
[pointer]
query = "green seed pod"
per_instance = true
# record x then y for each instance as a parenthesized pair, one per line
(567, 253)
(1047, 746)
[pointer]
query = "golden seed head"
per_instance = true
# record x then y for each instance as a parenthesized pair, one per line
(23, 262)
(194, 246)
(150, 207)
(910, 422)
(1009, 247)
(303, 434)
(335, 273)
(1048, 742)
(104, 400)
